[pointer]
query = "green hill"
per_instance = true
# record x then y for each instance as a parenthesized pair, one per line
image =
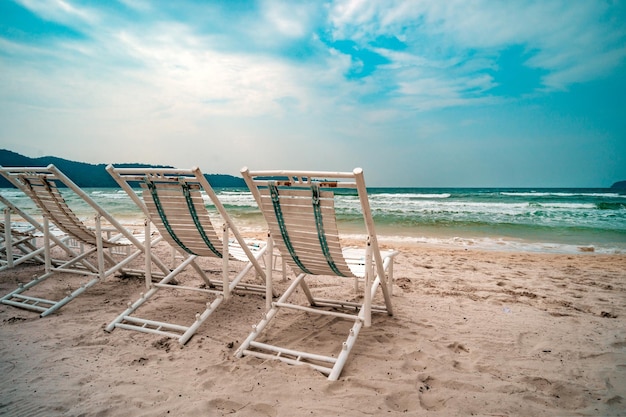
(89, 175)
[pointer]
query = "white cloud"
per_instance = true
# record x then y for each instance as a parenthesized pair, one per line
(189, 86)
(567, 39)
(61, 11)
(139, 5)
(288, 19)
(161, 93)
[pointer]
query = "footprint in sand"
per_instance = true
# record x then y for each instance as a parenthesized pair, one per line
(233, 407)
(458, 348)
(403, 401)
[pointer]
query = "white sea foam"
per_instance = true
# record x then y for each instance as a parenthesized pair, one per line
(561, 194)
(113, 194)
(402, 196)
(501, 244)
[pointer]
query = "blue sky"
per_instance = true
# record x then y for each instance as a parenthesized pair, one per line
(418, 93)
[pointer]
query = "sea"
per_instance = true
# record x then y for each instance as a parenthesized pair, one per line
(554, 220)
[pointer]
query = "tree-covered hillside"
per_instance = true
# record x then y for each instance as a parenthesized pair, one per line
(89, 175)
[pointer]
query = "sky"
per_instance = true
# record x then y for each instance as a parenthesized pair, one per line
(423, 93)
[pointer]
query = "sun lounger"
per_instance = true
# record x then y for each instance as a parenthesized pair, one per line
(20, 236)
(299, 208)
(173, 200)
(102, 242)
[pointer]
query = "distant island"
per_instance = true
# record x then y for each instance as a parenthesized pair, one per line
(89, 175)
(620, 185)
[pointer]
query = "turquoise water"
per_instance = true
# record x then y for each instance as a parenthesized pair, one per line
(535, 219)
(545, 220)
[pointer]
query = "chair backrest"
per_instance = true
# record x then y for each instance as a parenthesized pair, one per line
(299, 207)
(42, 186)
(172, 199)
(177, 209)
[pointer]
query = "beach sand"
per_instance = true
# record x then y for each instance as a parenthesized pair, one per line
(474, 333)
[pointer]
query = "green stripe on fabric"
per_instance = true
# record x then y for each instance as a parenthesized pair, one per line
(196, 220)
(283, 228)
(319, 223)
(159, 207)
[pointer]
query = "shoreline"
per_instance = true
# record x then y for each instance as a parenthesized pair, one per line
(504, 245)
(442, 241)
(446, 240)
(496, 237)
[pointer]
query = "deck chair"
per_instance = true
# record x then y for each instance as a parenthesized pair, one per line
(19, 234)
(172, 199)
(300, 212)
(113, 246)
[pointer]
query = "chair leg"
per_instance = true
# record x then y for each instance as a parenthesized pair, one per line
(8, 237)
(253, 348)
(70, 297)
(100, 251)
(267, 317)
(225, 255)
(180, 332)
(269, 267)
(144, 297)
(346, 348)
(46, 243)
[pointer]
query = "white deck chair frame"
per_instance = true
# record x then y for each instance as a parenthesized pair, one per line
(19, 245)
(41, 185)
(299, 209)
(172, 200)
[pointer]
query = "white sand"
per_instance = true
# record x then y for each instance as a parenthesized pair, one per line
(474, 333)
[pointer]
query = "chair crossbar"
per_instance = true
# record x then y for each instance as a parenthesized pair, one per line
(187, 288)
(157, 324)
(76, 271)
(241, 286)
(28, 302)
(23, 240)
(28, 252)
(296, 362)
(297, 353)
(145, 329)
(317, 310)
(320, 302)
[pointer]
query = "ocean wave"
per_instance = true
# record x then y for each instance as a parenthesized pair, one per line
(401, 196)
(560, 194)
(611, 206)
(452, 207)
(114, 196)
